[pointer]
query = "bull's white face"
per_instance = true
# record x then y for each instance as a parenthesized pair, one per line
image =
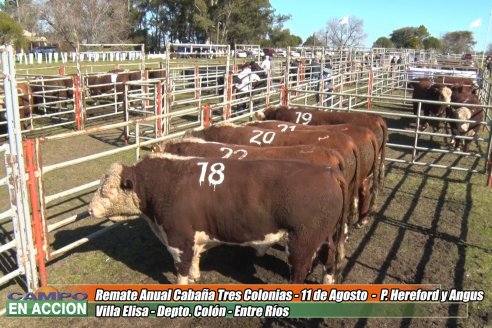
(446, 94)
(463, 113)
(111, 200)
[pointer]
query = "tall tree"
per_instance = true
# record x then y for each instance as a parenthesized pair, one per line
(11, 32)
(312, 41)
(383, 42)
(25, 12)
(409, 37)
(432, 43)
(87, 21)
(346, 32)
(458, 41)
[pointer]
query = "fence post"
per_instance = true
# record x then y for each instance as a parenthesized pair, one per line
(77, 103)
(197, 82)
(159, 109)
(284, 96)
(369, 88)
(228, 91)
(37, 224)
(206, 115)
(61, 70)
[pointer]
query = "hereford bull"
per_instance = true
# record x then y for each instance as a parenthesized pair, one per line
(253, 136)
(426, 89)
(193, 204)
(198, 147)
(463, 112)
(307, 116)
(450, 81)
(368, 148)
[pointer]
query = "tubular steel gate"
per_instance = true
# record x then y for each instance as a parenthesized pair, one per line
(422, 148)
(17, 245)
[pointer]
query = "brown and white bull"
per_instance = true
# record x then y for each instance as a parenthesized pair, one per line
(308, 116)
(464, 112)
(193, 204)
(427, 89)
(198, 147)
(257, 137)
(364, 139)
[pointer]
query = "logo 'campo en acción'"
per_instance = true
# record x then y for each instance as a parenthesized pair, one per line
(47, 302)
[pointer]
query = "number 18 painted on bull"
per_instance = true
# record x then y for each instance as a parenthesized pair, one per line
(215, 169)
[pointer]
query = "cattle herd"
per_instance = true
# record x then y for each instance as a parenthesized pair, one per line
(450, 90)
(41, 95)
(297, 174)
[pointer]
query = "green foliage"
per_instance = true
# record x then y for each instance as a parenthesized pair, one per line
(432, 43)
(458, 41)
(280, 37)
(409, 37)
(11, 32)
(383, 42)
(312, 41)
(199, 21)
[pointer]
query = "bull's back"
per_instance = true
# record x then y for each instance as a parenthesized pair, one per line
(265, 195)
(307, 153)
(258, 137)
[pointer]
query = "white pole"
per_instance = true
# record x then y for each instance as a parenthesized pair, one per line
(486, 38)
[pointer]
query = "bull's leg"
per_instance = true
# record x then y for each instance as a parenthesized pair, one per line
(364, 203)
(183, 256)
(301, 253)
(195, 269)
(327, 257)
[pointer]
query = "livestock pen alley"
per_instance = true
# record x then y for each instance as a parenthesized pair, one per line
(431, 220)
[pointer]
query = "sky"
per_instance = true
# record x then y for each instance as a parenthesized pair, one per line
(381, 17)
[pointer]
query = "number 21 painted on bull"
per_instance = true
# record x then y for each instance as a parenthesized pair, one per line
(216, 169)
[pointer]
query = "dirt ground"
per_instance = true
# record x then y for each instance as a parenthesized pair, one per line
(431, 226)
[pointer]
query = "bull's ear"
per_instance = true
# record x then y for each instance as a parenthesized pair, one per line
(127, 184)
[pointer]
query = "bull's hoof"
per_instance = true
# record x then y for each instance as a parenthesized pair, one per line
(328, 279)
(362, 223)
(193, 280)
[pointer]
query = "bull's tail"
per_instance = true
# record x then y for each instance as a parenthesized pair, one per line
(343, 221)
(382, 152)
(355, 183)
(376, 172)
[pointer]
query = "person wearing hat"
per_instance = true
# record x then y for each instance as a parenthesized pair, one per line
(266, 65)
(327, 85)
(244, 84)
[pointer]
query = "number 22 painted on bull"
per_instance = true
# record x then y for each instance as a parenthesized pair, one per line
(215, 169)
(305, 117)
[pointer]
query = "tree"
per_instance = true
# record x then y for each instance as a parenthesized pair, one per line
(25, 12)
(281, 37)
(312, 41)
(409, 37)
(342, 33)
(382, 42)
(432, 43)
(11, 32)
(87, 21)
(458, 41)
